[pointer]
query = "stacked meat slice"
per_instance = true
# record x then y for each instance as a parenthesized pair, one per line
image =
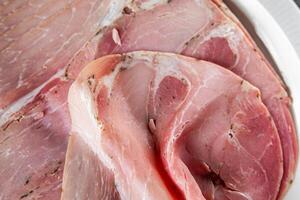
(202, 30)
(144, 125)
(146, 114)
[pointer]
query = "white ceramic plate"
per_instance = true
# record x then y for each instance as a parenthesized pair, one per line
(277, 24)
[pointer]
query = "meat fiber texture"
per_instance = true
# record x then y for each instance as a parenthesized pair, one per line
(202, 125)
(212, 36)
(202, 29)
(33, 139)
(39, 37)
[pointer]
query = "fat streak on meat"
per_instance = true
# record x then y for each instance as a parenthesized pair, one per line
(208, 30)
(33, 146)
(178, 31)
(136, 178)
(40, 37)
(46, 114)
(34, 138)
(212, 133)
(86, 177)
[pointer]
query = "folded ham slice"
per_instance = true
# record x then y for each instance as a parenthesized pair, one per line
(208, 30)
(209, 129)
(117, 136)
(203, 29)
(86, 177)
(18, 161)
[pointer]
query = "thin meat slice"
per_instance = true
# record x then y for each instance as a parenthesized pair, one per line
(215, 124)
(85, 176)
(118, 138)
(207, 30)
(33, 146)
(19, 167)
(40, 37)
(33, 141)
(202, 131)
(281, 105)
(190, 8)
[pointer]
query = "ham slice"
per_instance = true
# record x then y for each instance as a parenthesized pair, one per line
(33, 146)
(208, 30)
(118, 137)
(40, 37)
(35, 170)
(177, 23)
(213, 136)
(12, 124)
(86, 177)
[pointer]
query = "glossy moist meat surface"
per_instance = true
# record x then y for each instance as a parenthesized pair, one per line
(33, 146)
(219, 46)
(38, 38)
(213, 135)
(85, 176)
(208, 30)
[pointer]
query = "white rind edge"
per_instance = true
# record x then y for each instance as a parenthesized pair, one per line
(277, 23)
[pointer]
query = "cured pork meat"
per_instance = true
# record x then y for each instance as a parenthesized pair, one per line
(34, 170)
(40, 37)
(33, 146)
(208, 30)
(133, 179)
(31, 177)
(226, 42)
(213, 135)
(86, 177)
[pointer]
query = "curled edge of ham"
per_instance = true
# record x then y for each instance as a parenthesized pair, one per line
(85, 118)
(81, 101)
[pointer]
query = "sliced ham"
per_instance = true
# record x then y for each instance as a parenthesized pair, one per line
(33, 142)
(86, 177)
(208, 30)
(40, 37)
(12, 124)
(213, 136)
(202, 29)
(33, 146)
(117, 136)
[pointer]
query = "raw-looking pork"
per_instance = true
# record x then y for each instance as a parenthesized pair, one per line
(206, 126)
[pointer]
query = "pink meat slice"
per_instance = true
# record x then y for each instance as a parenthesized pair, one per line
(40, 37)
(33, 142)
(215, 124)
(208, 30)
(213, 135)
(115, 134)
(33, 146)
(85, 176)
(44, 186)
(154, 45)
